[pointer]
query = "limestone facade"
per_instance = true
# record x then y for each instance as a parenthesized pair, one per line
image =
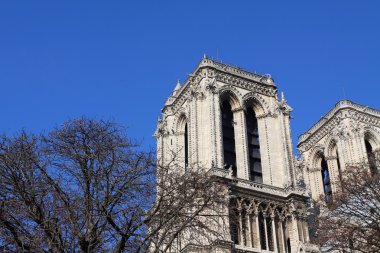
(231, 121)
(348, 135)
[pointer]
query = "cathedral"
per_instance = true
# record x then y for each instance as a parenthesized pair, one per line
(234, 124)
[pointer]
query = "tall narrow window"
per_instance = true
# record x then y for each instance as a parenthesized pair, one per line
(228, 137)
(255, 171)
(263, 238)
(270, 233)
(234, 225)
(371, 157)
(186, 147)
(326, 180)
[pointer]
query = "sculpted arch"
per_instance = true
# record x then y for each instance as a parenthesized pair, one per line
(180, 120)
(372, 137)
(257, 102)
(315, 157)
(180, 123)
(331, 146)
(232, 95)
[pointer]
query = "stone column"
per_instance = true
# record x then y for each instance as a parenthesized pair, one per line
(193, 130)
(218, 131)
(331, 164)
(305, 229)
(240, 143)
(240, 218)
(282, 236)
(274, 233)
(257, 242)
(300, 229)
(248, 229)
(266, 232)
(294, 235)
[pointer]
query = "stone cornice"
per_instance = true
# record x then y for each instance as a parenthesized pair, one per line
(257, 187)
(238, 77)
(325, 125)
(236, 71)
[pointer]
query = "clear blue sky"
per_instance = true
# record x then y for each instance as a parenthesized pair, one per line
(121, 59)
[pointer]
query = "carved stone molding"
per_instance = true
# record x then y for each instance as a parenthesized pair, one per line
(359, 115)
(214, 71)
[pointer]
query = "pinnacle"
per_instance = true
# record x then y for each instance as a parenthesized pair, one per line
(178, 86)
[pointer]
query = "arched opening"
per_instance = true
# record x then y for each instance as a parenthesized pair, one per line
(186, 144)
(263, 238)
(228, 137)
(183, 140)
(234, 222)
(255, 171)
(326, 180)
(371, 157)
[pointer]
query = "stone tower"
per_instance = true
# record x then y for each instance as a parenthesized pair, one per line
(230, 121)
(348, 135)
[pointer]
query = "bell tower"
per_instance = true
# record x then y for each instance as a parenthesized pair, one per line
(231, 121)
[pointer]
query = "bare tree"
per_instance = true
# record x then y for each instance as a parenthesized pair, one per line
(189, 211)
(351, 222)
(86, 187)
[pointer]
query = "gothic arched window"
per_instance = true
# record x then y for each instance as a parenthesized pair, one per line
(183, 141)
(228, 137)
(326, 180)
(255, 171)
(371, 157)
(186, 145)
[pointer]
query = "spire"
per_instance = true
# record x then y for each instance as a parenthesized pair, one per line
(204, 56)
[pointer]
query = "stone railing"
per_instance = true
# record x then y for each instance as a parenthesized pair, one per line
(266, 79)
(248, 249)
(247, 184)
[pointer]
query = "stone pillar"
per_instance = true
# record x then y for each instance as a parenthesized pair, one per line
(306, 229)
(218, 132)
(294, 233)
(193, 130)
(281, 236)
(332, 166)
(300, 229)
(240, 144)
(248, 229)
(266, 232)
(240, 218)
(274, 233)
(257, 242)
